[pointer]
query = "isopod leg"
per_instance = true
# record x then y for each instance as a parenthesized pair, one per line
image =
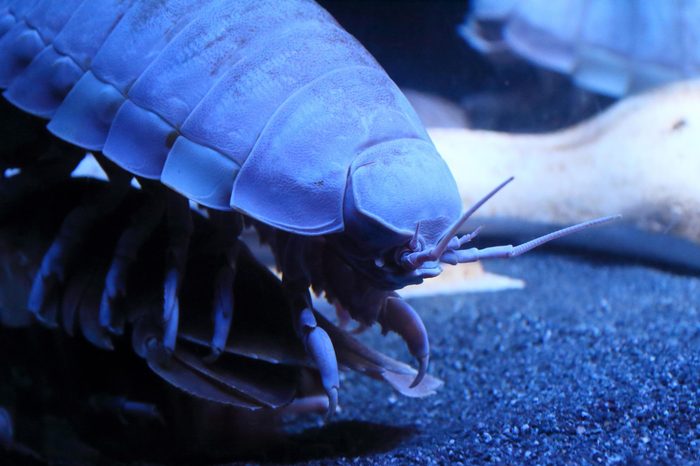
(223, 310)
(290, 252)
(179, 225)
(144, 221)
(229, 227)
(318, 346)
(398, 316)
(64, 248)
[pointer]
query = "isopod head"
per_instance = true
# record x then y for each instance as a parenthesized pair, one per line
(400, 196)
(410, 227)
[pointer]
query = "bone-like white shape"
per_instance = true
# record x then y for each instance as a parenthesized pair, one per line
(639, 158)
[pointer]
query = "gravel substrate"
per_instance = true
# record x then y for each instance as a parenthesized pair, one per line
(592, 363)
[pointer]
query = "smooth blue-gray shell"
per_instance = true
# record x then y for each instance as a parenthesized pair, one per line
(612, 47)
(259, 106)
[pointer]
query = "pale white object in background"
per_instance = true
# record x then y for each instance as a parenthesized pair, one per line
(462, 278)
(640, 158)
(90, 168)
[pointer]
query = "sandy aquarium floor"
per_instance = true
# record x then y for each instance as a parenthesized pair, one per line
(592, 363)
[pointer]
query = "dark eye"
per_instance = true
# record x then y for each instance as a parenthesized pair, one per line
(379, 262)
(401, 255)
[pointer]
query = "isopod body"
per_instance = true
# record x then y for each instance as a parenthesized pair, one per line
(227, 102)
(265, 108)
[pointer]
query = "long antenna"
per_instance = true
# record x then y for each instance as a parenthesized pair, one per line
(532, 244)
(506, 251)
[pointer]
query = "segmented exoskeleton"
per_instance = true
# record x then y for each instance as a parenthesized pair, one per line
(263, 108)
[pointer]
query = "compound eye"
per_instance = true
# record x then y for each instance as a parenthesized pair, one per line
(402, 257)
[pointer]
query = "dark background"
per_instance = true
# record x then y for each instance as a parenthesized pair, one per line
(418, 44)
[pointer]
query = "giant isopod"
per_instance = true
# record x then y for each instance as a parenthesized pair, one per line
(266, 111)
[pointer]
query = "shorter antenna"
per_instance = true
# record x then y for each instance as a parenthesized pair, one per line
(416, 259)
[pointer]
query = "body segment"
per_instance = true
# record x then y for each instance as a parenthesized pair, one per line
(192, 91)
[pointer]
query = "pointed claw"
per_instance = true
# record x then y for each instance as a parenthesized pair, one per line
(171, 308)
(320, 348)
(401, 318)
(332, 403)
(223, 311)
(170, 287)
(40, 302)
(50, 275)
(422, 370)
(115, 289)
(179, 225)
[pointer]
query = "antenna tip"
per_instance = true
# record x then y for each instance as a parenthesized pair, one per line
(608, 219)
